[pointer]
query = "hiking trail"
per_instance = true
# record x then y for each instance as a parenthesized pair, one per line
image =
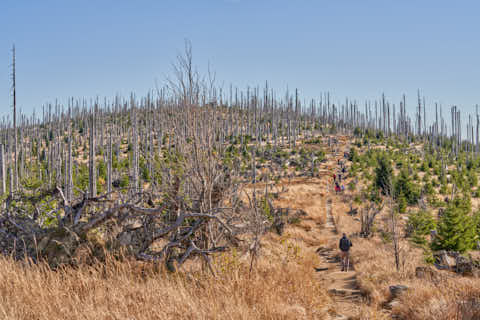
(342, 285)
(316, 196)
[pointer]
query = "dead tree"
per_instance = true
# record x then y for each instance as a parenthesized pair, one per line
(69, 171)
(394, 231)
(135, 182)
(92, 173)
(109, 165)
(14, 87)
(2, 170)
(367, 218)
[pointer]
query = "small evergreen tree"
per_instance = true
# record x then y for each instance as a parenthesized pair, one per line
(353, 156)
(456, 228)
(402, 203)
(383, 175)
(404, 187)
(419, 225)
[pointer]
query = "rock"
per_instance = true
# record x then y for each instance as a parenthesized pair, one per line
(445, 260)
(465, 266)
(134, 225)
(425, 273)
(43, 243)
(125, 239)
(396, 290)
(320, 269)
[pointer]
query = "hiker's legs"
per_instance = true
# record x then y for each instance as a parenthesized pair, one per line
(342, 259)
(347, 260)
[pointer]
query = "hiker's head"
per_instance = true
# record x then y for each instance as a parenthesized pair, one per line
(344, 235)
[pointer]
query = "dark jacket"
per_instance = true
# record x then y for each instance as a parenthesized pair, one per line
(345, 244)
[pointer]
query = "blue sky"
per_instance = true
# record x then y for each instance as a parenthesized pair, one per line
(350, 48)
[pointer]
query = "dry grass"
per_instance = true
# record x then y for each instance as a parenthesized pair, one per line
(452, 299)
(123, 290)
(283, 284)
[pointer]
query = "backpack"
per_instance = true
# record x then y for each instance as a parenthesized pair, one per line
(345, 244)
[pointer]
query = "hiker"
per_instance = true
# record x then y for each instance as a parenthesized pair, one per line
(345, 245)
(334, 177)
(342, 188)
(339, 178)
(337, 188)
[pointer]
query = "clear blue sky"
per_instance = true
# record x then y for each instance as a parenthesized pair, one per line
(350, 48)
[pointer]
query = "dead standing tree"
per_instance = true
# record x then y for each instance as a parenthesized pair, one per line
(367, 218)
(92, 176)
(14, 88)
(395, 233)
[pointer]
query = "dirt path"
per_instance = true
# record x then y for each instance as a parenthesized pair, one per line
(341, 285)
(316, 233)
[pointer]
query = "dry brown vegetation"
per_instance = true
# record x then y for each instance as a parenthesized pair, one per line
(123, 290)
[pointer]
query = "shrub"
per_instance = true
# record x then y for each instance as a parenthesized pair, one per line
(419, 225)
(124, 181)
(353, 156)
(383, 175)
(406, 188)
(472, 179)
(456, 228)
(402, 204)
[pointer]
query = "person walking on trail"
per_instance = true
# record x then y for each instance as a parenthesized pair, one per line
(345, 245)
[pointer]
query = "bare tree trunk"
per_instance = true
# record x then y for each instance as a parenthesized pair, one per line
(109, 165)
(135, 147)
(69, 173)
(15, 173)
(2, 169)
(395, 235)
(92, 174)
